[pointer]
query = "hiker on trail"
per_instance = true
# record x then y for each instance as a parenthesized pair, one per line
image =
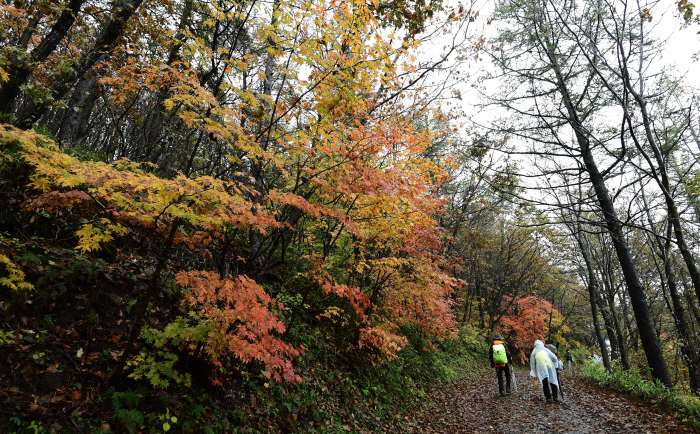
(555, 351)
(569, 360)
(543, 364)
(499, 355)
(559, 367)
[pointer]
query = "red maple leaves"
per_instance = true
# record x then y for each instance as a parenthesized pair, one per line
(523, 322)
(240, 323)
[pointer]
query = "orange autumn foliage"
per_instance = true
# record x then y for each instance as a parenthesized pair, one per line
(240, 322)
(523, 321)
(310, 139)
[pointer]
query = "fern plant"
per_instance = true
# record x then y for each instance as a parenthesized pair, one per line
(125, 406)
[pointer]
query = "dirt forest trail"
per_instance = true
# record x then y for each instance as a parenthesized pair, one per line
(475, 406)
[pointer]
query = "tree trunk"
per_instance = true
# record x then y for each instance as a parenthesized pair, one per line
(645, 324)
(480, 295)
(21, 68)
(624, 357)
(609, 330)
(592, 296)
(662, 250)
(660, 172)
(104, 44)
(688, 349)
(74, 125)
(265, 130)
(152, 285)
(153, 131)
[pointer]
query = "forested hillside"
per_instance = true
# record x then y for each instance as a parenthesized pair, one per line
(246, 216)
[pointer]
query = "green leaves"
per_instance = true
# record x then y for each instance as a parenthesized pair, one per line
(168, 419)
(158, 372)
(686, 9)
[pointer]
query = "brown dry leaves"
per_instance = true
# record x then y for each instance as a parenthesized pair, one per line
(476, 406)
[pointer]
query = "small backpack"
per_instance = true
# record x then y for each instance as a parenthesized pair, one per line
(499, 354)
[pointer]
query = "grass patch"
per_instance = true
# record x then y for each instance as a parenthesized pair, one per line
(631, 383)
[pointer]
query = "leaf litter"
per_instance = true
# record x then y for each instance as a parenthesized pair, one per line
(475, 405)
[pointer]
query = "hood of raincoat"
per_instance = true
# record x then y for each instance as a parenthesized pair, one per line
(539, 344)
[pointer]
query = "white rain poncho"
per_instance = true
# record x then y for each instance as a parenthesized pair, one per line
(543, 363)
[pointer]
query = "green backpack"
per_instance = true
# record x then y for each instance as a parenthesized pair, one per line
(499, 354)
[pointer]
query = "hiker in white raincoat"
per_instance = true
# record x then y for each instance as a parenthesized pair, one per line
(543, 365)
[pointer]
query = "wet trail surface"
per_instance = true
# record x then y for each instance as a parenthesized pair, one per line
(476, 407)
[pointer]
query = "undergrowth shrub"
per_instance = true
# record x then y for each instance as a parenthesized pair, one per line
(126, 412)
(417, 367)
(632, 383)
(365, 394)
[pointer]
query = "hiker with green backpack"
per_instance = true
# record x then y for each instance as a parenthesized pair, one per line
(499, 355)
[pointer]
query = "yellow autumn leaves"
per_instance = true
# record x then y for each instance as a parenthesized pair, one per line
(126, 196)
(15, 277)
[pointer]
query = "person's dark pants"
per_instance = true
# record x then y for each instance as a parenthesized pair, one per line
(545, 387)
(500, 371)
